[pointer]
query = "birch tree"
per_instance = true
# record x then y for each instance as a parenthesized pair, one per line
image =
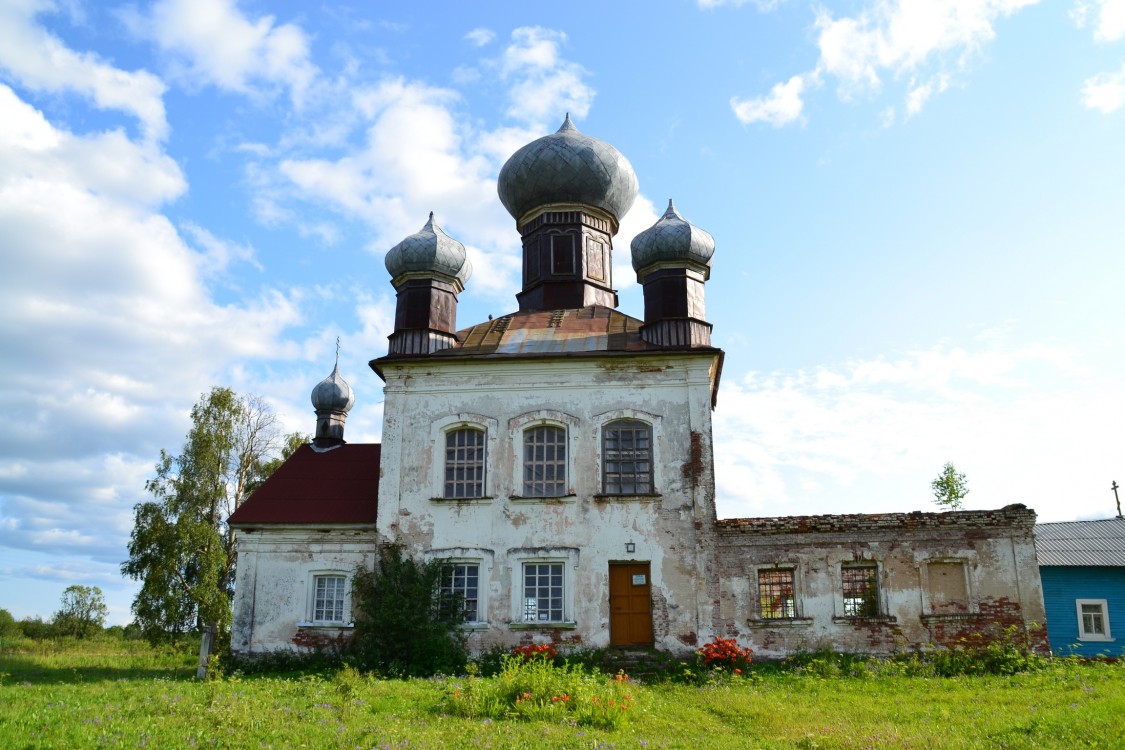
(181, 548)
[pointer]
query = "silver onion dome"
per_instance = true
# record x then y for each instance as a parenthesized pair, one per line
(430, 250)
(567, 167)
(673, 239)
(333, 394)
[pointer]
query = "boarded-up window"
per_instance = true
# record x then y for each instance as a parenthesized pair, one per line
(948, 592)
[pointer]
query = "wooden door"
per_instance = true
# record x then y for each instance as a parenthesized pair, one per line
(630, 604)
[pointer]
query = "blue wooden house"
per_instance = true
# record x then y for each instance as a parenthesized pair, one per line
(1082, 565)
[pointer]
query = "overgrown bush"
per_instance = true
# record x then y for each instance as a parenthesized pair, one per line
(404, 626)
(1008, 652)
(538, 690)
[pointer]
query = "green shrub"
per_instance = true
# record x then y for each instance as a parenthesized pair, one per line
(404, 626)
(538, 690)
(9, 628)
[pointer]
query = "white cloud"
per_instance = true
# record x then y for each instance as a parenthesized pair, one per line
(1105, 92)
(39, 61)
(543, 85)
(919, 93)
(108, 329)
(221, 46)
(782, 106)
(868, 436)
(1109, 25)
(480, 36)
(762, 5)
(927, 40)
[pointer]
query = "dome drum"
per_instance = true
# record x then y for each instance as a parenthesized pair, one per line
(428, 270)
(332, 398)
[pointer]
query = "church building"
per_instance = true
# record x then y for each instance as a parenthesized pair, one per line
(559, 460)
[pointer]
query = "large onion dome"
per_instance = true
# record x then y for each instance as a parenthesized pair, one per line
(567, 167)
(333, 394)
(430, 250)
(672, 239)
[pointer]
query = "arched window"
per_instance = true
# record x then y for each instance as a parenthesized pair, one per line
(627, 458)
(544, 461)
(464, 463)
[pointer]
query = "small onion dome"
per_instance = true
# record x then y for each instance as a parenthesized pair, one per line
(430, 250)
(333, 394)
(567, 167)
(672, 239)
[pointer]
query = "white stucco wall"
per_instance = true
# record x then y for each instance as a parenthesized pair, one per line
(273, 587)
(582, 529)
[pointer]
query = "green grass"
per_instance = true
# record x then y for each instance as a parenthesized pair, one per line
(116, 694)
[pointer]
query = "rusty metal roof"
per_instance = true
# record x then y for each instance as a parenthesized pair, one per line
(340, 485)
(588, 329)
(1082, 543)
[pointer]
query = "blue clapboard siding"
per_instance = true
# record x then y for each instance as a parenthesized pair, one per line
(1062, 586)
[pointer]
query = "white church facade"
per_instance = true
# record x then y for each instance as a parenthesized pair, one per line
(559, 460)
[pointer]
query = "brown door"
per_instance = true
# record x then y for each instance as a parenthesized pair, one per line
(630, 604)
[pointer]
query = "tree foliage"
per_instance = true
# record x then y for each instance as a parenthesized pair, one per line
(82, 612)
(181, 548)
(950, 488)
(404, 626)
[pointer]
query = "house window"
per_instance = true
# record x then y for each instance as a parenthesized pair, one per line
(775, 594)
(464, 463)
(544, 462)
(627, 458)
(543, 592)
(328, 598)
(1093, 620)
(861, 590)
(462, 580)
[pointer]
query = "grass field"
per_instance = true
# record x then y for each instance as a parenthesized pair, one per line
(118, 694)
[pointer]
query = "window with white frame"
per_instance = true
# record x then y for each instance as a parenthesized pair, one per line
(328, 598)
(860, 586)
(464, 463)
(1093, 620)
(544, 461)
(461, 580)
(627, 458)
(543, 592)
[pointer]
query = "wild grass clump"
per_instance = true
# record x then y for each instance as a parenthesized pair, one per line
(536, 689)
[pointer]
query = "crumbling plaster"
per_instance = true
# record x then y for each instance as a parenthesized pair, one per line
(275, 573)
(992, 550)
(583, 528)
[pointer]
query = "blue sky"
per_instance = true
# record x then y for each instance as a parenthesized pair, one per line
(917, 207)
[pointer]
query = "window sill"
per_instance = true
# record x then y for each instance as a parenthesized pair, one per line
(542, 626)
(1096, 639)
(952, 617)
(326, 625)
(878, 619)
(462, 500)
(781, 622)
(549, 500)
(476, 625)
(653, 497)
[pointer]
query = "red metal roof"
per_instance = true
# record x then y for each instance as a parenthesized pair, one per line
(337, 486)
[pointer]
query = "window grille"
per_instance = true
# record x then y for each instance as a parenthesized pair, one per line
(461, 580)
(543, 592)
(464, 463)
(544, 462)
(627, 458)
(775, 594)
(861, 590)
